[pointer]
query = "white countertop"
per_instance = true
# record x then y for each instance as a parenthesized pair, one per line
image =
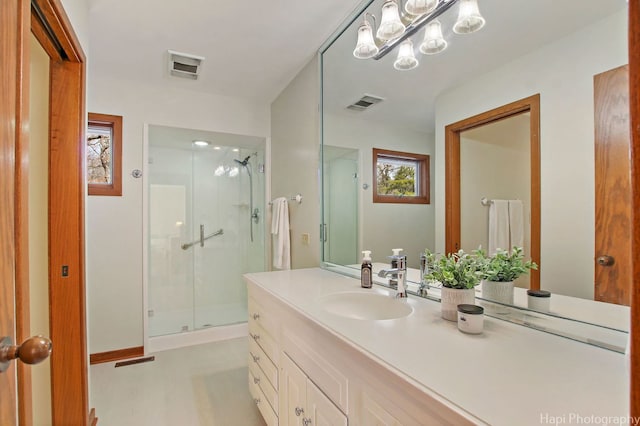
(509, 375)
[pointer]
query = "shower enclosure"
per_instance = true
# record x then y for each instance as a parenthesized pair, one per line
(205, 228)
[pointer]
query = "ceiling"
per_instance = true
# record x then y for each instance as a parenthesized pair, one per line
(252, 49)
(513, 28)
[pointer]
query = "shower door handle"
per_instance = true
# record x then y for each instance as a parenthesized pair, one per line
(201, 235)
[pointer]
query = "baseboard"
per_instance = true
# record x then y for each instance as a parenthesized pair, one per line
(93, 420)
(116, 355)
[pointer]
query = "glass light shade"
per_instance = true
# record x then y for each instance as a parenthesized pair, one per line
(433, 42)
(406, 59)
(420, 7)
(365, 47)
(469, 18)
(390, 25)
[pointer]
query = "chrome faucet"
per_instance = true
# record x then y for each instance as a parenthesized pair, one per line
(399, 273)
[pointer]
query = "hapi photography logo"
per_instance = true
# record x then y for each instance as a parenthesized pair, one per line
(590, 419)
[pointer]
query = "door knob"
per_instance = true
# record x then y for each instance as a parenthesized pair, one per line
(32, 351)
(605, 260)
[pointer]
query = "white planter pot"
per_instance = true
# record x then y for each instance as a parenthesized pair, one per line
(452, 297)
(501, 292)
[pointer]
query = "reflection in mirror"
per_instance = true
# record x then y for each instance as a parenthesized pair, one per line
(495, 163)
(547, 47)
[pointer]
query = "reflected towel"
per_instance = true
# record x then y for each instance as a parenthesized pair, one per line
(280, 231)
(498, 226)
(516, 224)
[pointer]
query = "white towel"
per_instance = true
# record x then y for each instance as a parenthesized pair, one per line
(516, 224)
(498, 226)
(280, 231)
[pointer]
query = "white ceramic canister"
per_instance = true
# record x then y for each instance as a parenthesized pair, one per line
(470, 318)
(539, 300)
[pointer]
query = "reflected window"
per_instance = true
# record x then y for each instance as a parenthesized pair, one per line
(400, 177)
(104, 154)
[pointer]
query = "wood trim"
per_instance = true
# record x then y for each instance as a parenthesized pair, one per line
(117, 355)
(67, 316)
(40, 33)
(115, 122)
(424, 179)
(61, 28)
(634, 104)
(69, 391)
(93, 420)
(452, 190)
(23, 302)
(452, 172)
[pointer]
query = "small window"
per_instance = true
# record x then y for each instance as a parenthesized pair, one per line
(400, 177)
(104, 154)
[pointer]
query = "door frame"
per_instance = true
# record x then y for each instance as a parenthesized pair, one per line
(47, 20)
(452, 173)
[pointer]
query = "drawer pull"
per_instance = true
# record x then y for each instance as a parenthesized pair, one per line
(256, 400)
(255, 316)
(306, 421)
(255, 337)
(256, 380)
(255, 357)
(299, 411)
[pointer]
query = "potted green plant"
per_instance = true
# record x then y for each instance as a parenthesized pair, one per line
(458, 273)
(499, 273)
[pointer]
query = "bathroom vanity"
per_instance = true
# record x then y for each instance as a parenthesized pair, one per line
(320, 352)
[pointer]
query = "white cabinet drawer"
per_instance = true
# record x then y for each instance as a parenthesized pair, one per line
(265, 385)
(260, 359)
(260, 336)
(262, 316)
(259, 398)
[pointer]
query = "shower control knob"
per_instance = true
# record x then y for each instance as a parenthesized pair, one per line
(605, 260)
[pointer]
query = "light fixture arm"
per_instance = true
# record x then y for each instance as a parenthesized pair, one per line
(375, 24)
(414, 27)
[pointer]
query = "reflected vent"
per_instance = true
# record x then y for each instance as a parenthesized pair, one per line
(184, 65)
(365, 102)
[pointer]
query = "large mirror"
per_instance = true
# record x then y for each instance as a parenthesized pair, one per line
(551, 49)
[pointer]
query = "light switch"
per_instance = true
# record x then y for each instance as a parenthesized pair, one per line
(305, 239)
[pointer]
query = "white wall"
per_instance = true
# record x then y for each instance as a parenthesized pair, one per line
(39, 224)
(114, 224)
(295, 158)
(78, 13)
(385, 226)
(562, 73)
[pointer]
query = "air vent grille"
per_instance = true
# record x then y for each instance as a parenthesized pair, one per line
(365, 102)
(185, 65)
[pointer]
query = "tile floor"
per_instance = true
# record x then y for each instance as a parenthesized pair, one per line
(198, 385)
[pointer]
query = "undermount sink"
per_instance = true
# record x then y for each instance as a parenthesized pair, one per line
(365, 306)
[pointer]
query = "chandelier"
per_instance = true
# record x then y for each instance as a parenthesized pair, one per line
(396, 28)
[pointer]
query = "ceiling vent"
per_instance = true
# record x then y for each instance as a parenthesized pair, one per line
(365, 102)
(185, 65)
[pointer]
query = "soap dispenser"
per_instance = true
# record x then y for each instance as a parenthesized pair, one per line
(393, 282)
(366, 281)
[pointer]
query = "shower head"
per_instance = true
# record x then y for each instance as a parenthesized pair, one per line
(243, 162)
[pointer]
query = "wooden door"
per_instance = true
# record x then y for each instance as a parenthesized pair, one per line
(10, 27)
(612, 187)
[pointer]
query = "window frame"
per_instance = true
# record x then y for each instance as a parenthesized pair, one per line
(424, 183)
(114, 122)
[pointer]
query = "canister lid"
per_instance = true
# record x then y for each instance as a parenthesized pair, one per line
(539, 293)
(470, 309)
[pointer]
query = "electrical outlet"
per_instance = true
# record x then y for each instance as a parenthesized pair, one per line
(305, 239)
